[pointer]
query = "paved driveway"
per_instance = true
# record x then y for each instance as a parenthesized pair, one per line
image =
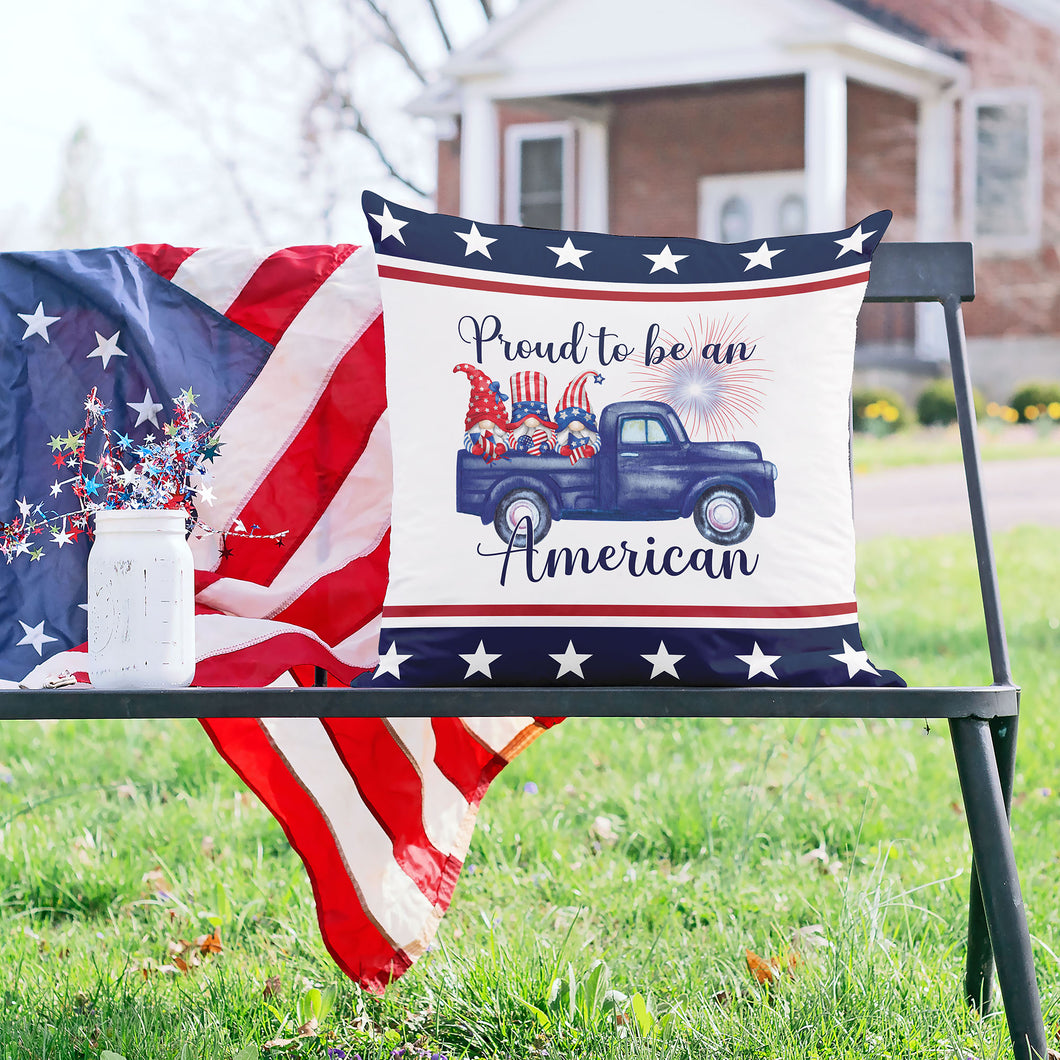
(921, 501)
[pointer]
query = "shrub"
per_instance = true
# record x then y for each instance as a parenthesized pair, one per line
(878, 410)
(1036, 396)
(937, 405)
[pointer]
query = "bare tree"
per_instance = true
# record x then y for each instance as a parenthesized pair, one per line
(293, 106)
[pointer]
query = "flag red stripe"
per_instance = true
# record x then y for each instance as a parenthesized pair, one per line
(339, 604)
(463, 760)
(162, 258)
(302, 483)
(358, 946)
(255, 665)
(281, 286)
(392, 789)
(697, 294)
(626, 610)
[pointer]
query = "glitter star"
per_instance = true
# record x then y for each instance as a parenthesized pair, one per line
(146, 410)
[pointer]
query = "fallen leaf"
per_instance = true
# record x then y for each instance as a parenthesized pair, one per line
(764, 971)
(272, 987)
(210, 943)
(307, 1030)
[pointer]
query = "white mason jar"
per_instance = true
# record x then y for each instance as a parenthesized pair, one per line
(141, 601)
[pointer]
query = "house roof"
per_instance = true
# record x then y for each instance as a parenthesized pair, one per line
(546, 48)
(901, 27)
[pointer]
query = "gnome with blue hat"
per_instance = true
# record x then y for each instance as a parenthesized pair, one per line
(577, 437)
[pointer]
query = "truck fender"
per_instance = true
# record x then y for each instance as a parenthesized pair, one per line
(764, 503)
(542, 484)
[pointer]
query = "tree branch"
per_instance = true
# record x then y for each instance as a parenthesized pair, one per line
(393, 41)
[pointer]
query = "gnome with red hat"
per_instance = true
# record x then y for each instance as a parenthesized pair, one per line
(530, 431)
(486, 422)
(576, 435)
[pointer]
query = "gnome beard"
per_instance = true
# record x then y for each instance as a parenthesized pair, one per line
(487, 440)
(532, 438)
(577, 442)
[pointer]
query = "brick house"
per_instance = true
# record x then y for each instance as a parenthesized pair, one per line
(730, 119)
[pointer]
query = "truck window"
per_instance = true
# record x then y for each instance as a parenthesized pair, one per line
(656, 433)
(634, 432)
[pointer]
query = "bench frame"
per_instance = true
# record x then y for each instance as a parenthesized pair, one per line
(983, 720)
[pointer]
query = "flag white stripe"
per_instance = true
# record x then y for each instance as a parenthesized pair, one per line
(390, 897)
(278, 402)
(362, 648)
(845, 618)
(216, 275)
(353, 524)
(496, 733)
(443, 809)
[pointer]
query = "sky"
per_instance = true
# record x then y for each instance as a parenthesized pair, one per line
(57, 64)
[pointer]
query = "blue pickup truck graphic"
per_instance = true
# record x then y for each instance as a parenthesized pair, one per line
(646, 469)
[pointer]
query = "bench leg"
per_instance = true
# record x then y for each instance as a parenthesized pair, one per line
(978, 978)
(1006, 919)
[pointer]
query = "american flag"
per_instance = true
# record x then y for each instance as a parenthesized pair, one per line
(284, 352)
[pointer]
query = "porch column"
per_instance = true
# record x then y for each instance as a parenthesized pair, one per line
(825, 132)
(479, 158)
(935, 221)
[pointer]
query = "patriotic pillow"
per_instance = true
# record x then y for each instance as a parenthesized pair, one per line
(619, 460)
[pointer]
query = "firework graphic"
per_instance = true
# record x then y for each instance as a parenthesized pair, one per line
(716, 402)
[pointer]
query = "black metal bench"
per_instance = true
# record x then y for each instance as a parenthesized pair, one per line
(982, 720)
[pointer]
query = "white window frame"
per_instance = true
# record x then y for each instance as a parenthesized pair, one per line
(1030, 97)
(715, 190)
(514, 137)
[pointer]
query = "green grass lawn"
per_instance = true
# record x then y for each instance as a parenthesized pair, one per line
(664, 849)
(934, 445)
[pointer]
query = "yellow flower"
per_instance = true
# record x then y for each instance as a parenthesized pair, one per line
(993, 409)
(890, 413)
(1054, 410)
(873, 410)
(1010, 415)
(1030, 412)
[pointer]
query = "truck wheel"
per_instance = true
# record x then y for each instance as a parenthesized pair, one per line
(513, 511)
(723, 515)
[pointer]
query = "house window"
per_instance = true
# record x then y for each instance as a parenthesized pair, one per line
(741, 206)
(1003, 169)
(539, 175)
